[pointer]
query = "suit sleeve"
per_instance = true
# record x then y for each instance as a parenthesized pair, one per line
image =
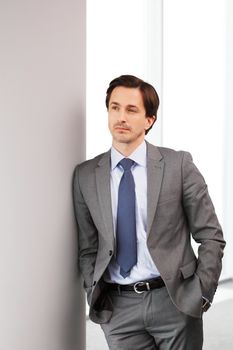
(87, 235)
(204, 226)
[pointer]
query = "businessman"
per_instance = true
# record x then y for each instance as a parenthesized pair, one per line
(137, 207)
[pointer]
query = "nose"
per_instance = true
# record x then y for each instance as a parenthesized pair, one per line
(122, 115)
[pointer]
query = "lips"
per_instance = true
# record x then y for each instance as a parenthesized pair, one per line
(121, 128)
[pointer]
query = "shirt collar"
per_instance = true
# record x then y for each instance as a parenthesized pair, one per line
(138, 155)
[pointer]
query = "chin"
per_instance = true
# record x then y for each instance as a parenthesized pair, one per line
(121, 139)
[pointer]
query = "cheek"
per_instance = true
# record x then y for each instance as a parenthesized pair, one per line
(111, 122)
(111, 118)
(144, 124)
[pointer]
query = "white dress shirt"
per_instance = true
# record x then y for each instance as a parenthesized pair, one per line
(145, 268)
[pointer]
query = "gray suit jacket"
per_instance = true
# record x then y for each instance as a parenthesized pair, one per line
(178, 206)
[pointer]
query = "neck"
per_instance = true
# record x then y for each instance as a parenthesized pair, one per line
(126, 148)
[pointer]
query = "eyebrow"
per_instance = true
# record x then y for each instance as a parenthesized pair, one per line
(118, 104)
(115, 103)
(132, 106)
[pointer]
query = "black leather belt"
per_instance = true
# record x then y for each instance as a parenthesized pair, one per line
(138, 287)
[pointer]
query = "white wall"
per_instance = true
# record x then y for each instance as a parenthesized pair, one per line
(42, 136)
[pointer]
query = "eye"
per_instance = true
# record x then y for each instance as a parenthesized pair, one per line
(115, 108)
(132, 110)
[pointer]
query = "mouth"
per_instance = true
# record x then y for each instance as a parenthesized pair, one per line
(121, 129)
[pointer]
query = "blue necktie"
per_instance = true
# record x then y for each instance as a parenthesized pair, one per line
(126, 221)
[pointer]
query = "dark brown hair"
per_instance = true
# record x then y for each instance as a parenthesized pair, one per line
(149, 94)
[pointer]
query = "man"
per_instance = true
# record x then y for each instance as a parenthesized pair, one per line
(137, 206)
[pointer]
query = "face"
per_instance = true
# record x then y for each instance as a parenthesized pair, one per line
(127, 119)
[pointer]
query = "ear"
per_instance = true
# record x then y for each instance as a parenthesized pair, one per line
(151, 120)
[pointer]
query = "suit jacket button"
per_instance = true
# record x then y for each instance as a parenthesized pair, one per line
(94, 283)
(110, 252)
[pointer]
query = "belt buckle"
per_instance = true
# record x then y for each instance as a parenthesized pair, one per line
(137, 284)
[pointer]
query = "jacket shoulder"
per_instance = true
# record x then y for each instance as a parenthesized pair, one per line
(170, 156)
(172, 153)
(168, 153)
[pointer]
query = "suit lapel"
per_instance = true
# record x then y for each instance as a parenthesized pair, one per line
(155, 168)
(104, 193)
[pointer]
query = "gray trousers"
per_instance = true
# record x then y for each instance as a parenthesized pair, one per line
(150, 321)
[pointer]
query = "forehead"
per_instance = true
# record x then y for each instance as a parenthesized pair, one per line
(126, 96)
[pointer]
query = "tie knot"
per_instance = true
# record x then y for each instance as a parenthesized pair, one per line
(126, 163)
